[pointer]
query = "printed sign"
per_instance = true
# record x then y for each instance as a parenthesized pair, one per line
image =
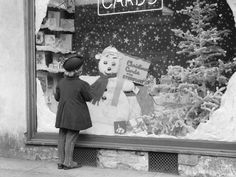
(133, 69)
(111, 7)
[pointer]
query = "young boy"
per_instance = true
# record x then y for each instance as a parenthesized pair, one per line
(72, 114)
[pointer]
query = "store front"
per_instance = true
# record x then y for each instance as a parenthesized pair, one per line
(158, 101)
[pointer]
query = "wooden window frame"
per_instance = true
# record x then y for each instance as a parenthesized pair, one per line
(199, 147)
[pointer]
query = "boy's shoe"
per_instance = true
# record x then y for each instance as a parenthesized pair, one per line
(60, 166)
(74, 165)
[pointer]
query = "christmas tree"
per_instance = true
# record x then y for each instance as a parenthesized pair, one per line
(198, 83)
(200, 42)
(202, 39)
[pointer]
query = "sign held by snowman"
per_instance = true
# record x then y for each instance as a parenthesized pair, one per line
(133, 69)
(130, 68)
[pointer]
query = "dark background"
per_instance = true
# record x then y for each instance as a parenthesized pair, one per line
(146, 35)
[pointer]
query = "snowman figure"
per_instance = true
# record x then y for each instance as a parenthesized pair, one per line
(103, 114)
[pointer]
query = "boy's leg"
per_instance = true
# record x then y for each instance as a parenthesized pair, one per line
(61, 145)
(71, 137)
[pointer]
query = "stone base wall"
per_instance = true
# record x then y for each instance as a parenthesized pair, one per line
(206, 166)
(123, 159)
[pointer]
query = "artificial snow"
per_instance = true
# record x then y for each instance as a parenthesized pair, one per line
(41, 11)
(232, 4)
(45, 117)
(221, 125)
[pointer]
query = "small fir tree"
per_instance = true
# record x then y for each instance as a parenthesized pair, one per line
(201, 41)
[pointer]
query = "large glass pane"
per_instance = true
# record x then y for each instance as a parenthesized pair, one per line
(166, 69)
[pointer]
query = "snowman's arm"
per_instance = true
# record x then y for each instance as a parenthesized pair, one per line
(89, 79)
(129, 87)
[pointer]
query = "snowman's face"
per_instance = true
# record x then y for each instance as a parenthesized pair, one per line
(109, 63)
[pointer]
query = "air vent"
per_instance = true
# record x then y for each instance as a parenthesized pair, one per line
(85, 156)
(163, 162)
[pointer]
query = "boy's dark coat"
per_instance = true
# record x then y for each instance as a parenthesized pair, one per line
(73, 113)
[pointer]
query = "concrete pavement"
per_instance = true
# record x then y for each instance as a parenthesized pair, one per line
(27, 168)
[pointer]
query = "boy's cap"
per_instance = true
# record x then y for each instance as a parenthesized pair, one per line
(73, 63)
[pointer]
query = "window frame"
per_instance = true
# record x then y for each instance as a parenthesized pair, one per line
(147, 144)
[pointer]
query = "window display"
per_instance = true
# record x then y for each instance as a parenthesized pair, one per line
(166, 73)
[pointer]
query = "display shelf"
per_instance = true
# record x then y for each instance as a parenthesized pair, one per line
(54, 28)
(64, 25)
(61, 5)
(51, 70)
(53, 49)
(71, 11)
(54, 40)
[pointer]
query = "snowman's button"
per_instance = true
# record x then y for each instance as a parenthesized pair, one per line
(105, 89)
(104, 97)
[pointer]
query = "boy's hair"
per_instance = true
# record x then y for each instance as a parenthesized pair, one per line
(72, 73)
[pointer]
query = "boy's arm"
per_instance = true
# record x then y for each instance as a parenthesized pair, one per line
(86, 92)
(57, 93)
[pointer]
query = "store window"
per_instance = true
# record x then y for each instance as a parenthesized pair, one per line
(170, 67)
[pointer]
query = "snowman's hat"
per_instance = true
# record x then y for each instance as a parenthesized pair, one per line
(110, 49)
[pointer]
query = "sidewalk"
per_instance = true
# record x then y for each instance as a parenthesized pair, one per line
(26, 168)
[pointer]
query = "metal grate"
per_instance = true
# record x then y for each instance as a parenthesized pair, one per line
(85, 156)
(163, 162)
